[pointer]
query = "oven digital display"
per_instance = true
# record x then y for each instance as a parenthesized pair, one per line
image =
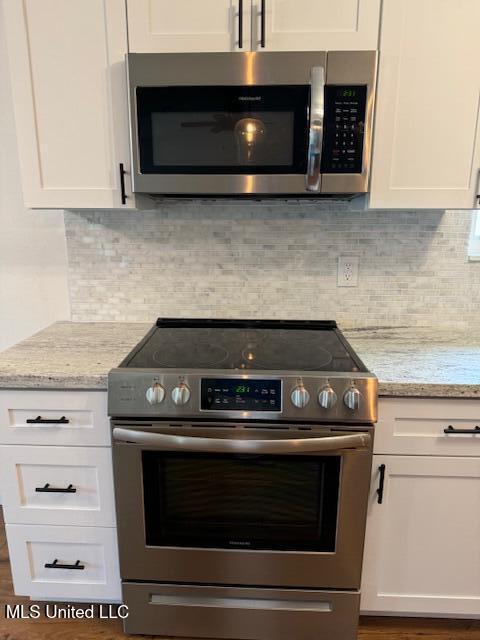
(239, 394)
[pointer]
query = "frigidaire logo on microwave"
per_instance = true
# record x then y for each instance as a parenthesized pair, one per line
(250, 98)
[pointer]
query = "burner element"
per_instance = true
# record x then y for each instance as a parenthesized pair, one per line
(270, 354)
(204, 354)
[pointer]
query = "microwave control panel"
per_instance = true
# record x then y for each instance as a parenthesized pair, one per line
(344, 128)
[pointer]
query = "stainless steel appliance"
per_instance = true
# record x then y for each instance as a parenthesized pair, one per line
(242, 453)
(269, 123)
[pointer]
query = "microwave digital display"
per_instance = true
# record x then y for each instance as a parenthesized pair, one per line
(239, 394)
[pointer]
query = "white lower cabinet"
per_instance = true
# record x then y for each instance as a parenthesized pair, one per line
(422, 551)
(73, 418)
(428, 427)
(65, 563)
(58, 498)
(57, 485)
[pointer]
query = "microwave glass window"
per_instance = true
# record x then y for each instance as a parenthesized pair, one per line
(212, 138)
(241, 501)
(257, 129)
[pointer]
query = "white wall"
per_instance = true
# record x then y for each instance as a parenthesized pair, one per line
(33, 260)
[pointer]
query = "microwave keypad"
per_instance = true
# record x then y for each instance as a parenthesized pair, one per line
(344, 127)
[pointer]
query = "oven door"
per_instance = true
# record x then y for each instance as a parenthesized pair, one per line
(200, 504)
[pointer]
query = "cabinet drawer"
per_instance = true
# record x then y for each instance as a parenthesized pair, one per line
(57, 485)
(416, 427)
(54, 417)
(41, 558)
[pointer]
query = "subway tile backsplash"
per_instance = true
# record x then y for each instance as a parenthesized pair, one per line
(278, 260)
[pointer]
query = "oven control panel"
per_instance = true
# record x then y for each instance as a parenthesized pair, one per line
(190, 395)
(240, 394)
(345, 108)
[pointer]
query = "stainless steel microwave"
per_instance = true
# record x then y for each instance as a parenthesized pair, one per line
(258, 124)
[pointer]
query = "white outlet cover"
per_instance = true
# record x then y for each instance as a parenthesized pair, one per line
(347, 271)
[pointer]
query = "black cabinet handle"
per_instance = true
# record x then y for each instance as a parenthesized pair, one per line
(450, 429)
(48, 489)
(240, 24)
(56, 565)
(122, 183)
(262, 25)
(381, 482)
(40, 420)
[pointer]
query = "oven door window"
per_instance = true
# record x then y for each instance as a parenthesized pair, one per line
(237, 501)
(239, 130)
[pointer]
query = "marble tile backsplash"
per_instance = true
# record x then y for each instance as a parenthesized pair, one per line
(217, 259)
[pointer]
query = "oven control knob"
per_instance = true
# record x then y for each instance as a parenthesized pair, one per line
(327, 398)
(352, 398)
(181, 394)
(155, 394)
(300, 397)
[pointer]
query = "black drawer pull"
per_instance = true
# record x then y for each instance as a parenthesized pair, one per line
(381, 482)
(48, 489)
(450, 429)
(56, 565)
(40, 420)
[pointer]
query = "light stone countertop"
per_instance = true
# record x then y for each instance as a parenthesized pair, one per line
(421, 361)
(416, 362)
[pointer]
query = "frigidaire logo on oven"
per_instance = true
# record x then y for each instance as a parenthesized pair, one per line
(250, 98)
(239, 543)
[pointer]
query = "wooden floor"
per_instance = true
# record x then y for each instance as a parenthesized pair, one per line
(46, 629)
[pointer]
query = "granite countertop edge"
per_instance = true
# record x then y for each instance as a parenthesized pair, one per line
(417, 362)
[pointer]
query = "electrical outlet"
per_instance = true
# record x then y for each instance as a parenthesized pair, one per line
(347, 272)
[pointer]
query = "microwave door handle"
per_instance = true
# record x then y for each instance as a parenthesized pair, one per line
(315, 136)
(169, 442)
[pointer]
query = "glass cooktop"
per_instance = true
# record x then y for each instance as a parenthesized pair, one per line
(276, 345)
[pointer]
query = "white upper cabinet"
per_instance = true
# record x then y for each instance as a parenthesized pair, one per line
(273, 25)
(315, 25)
(426, 150)
(156, 26)
(68, 83)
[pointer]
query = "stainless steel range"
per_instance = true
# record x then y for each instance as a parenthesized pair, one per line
(242, 454)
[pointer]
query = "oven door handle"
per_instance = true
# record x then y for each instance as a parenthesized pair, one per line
(168, 442)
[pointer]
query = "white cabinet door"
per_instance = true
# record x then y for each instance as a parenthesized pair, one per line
(422, 550)
(426, 150)
(68, 82)
(156, 26)
(315, 25)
